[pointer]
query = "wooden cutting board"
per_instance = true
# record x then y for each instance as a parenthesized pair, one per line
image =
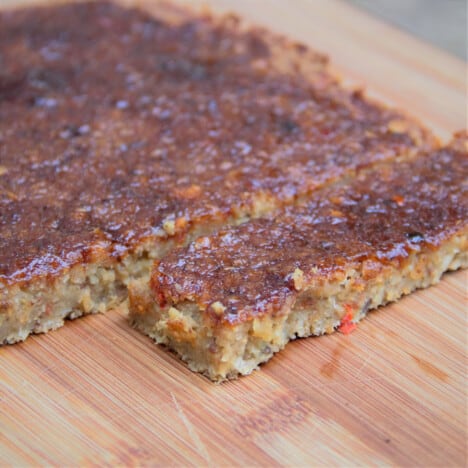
(393, 392)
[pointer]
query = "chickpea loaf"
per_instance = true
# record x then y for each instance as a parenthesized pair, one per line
(229, 301)
(123, 135)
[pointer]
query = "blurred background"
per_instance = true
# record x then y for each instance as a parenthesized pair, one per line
(441, 22)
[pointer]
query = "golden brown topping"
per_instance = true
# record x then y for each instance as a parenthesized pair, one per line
(116, 126)
(249, 267)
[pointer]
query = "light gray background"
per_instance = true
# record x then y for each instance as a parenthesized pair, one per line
(441, 22)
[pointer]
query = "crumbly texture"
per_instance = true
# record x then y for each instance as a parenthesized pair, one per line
(123, 135)
(228, 301)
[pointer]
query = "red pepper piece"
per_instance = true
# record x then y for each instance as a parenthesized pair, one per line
(346, 325)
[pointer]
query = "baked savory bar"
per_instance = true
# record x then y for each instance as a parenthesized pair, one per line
(228, 302)
(123, 135)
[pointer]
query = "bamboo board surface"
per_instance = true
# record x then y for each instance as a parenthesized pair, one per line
(393, 392)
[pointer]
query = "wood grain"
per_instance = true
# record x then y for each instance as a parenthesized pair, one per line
(394, 392)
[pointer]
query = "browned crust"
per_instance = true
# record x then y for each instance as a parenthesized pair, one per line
(227, 302)
(148, 168)
(228, 350)
(377, 219)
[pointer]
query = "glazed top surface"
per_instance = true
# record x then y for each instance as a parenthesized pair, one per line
(113, 122)
(377, 219)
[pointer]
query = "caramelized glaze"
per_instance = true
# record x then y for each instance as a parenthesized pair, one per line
(113, 123)
(377, 219)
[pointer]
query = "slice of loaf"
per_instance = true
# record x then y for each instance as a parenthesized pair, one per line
(228, 302)
(124, 135)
